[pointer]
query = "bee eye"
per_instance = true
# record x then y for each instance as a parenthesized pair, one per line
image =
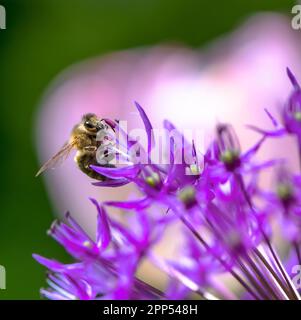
(89, 125)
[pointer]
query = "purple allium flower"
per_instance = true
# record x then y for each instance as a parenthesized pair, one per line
(230, 80)
(105, 267)
(225, 158)
(226, 224)
(285, 202)
(290, 114)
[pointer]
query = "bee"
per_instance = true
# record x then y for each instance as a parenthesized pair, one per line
(83, 138)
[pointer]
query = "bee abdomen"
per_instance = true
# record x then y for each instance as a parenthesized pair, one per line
(84, 160)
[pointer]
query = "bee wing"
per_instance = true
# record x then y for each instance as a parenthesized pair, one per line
(59, 157)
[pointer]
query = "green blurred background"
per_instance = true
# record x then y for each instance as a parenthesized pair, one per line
(42, 38)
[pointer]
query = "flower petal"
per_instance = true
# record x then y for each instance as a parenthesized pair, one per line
(148, 127)
(103, 236)
(139, 204)
(128, 172)
(268, 133)
(274, 121)
(112, 183)
(292, 79)
(247, 155)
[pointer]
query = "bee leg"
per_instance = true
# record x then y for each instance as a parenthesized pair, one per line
(90, 148)
(84, 160)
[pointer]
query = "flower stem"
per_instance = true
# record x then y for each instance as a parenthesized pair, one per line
(298, 253)
(291, 291)
(232, 272)
(288, 290)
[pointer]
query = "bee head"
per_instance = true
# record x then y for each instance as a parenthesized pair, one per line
(91, 123)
